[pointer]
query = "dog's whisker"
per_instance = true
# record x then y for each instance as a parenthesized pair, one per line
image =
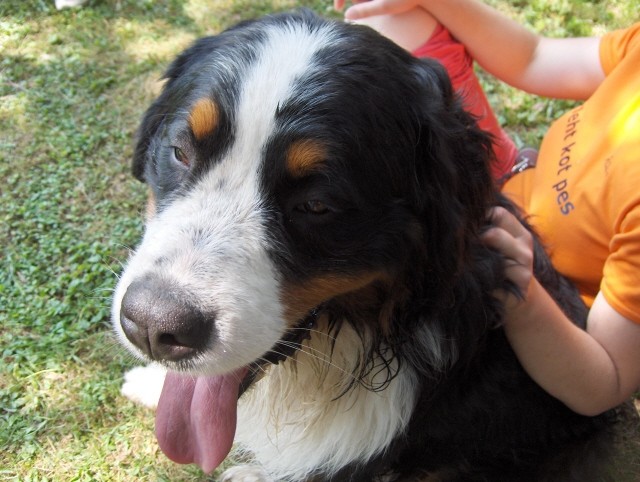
(320, 356)
(315, 331)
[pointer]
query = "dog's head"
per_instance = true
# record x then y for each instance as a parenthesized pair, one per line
(294, 162)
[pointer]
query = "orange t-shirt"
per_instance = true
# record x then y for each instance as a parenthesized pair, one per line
(584, 194)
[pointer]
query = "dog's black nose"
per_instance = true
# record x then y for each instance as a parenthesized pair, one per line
(156, 317)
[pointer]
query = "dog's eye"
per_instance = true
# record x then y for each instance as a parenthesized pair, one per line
(313, 207)
(181, 157)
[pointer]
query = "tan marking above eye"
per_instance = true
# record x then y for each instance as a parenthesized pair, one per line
(204, 118)
(304, 155)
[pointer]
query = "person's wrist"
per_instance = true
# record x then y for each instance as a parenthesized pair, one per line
(523, 311)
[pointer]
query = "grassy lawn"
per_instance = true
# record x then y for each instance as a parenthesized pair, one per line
(73, 85)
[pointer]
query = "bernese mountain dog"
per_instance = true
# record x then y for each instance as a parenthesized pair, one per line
(311, 273)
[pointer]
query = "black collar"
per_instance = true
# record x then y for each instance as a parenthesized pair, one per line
(285, 348)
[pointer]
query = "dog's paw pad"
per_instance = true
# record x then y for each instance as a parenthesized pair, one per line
(245, 473)
(143, 385)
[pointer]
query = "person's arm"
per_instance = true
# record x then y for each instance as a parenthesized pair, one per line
(590, 371)
(564, 68)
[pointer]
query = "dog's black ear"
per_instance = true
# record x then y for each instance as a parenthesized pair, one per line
(155, 116)
(455, 149)
(455, 183)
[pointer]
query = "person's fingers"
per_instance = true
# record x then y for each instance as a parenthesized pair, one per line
(511, 239)
(508, 235)
(509, 246)
(497, 238)
(502, 218)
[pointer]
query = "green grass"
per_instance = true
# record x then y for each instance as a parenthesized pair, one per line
(73, 85)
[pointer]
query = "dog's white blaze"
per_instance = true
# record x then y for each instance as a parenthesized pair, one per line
(283, 58)
(305, 425)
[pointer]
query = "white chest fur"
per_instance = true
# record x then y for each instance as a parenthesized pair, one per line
(298, 419)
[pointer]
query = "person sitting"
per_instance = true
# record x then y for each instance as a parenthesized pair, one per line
(581, 196)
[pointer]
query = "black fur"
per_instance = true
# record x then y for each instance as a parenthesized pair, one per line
(408, 186)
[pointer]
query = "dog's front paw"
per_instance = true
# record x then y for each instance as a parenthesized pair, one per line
(245, 473)
(143, 385)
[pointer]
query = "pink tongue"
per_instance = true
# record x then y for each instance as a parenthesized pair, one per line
(196, 418)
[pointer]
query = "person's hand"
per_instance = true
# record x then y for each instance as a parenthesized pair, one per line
(590, 371)
(364, 8)
(508, 236)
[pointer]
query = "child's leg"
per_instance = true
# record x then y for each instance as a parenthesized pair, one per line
(418, 32)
